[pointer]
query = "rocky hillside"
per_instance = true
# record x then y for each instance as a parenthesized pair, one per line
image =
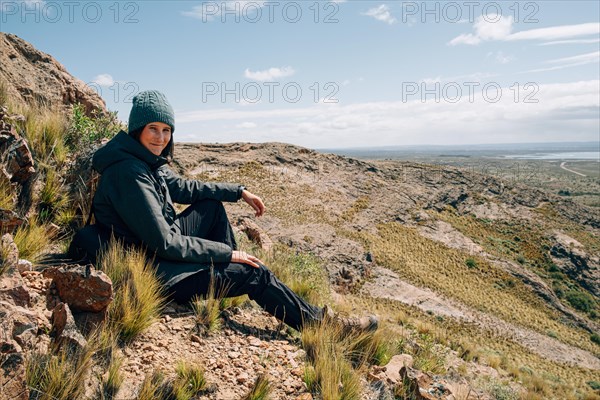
(35, 78)
(485, 289)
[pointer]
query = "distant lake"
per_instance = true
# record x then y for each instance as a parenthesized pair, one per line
(575, 155)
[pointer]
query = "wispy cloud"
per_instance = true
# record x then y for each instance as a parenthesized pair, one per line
(574, 41)
(271, 74)
(103, 80)
(568, 62)
(500, 57)
(381, 13)
(559, 108)
(501, 30)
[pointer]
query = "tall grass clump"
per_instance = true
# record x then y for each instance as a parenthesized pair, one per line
(53, 200)
(138, 295)
(261, 389)
(33, 239)
(189, 382)
(45, 130)
(330, 371)
(207, 308)
(58, 375)
(153, 387)
(6, 193)
(109, 360)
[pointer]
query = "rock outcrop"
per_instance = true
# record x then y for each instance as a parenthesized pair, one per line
(33, 77)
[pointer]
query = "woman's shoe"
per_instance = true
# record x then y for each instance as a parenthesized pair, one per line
(369, 323)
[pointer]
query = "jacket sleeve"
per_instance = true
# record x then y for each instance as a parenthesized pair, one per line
(139, 205)
(188, 191)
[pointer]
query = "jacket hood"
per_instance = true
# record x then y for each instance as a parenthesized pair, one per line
(124, 147)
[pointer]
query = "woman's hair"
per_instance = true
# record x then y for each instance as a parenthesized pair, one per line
(166, 153)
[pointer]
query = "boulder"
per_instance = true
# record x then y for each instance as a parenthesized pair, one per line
(64, 329)
(82, 287)
(13, 289)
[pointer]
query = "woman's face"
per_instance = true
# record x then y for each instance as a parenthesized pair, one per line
(155, 137)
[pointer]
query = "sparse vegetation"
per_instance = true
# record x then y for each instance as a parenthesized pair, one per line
(45, 130)
(6, 193)
(207, 308)
(581, 301)
(60, 374)
(189, 382)
(53, 200)
(302, 272)
(138, 296)
(32, 240)
(261, 389)
(84, 130)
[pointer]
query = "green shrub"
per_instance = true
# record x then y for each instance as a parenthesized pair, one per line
(84, 130)
(595, 338)
(580, 300)
(471, 263)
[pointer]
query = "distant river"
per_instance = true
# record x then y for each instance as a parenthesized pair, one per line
(575, 155)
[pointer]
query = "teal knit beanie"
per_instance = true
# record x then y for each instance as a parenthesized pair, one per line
(150, 106)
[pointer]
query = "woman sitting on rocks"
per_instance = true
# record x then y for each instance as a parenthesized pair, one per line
(134, 200)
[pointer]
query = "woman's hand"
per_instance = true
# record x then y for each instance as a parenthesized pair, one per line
(255, 202)
(242, 257)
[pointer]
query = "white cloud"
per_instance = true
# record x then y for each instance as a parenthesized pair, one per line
(103, 80)
(574, 41)
(496, 27)
(568, 62)
(271, 74)
(500, 57)
(381, 13)
(581, 58)
(246, 125)
(565, 111)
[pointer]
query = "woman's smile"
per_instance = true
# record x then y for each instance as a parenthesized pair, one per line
(155, 137)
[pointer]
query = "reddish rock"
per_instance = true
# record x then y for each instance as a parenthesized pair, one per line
(19, 161)
(12, 377)
(9, 220)
(82, 287)
(64, 329)
(255, 233)
(13, 289)
(10, 254)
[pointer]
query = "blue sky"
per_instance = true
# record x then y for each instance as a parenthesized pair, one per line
(336, 74)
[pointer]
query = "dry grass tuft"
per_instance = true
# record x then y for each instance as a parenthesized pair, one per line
(59, 375)
(138, 293)
(261, 389)
(33, 239)
(207, 309)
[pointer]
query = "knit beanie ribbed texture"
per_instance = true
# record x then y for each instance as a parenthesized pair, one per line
(150, 106)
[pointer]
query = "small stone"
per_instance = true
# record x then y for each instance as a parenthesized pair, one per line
(196, 339)
(242, 377)
(24, 266)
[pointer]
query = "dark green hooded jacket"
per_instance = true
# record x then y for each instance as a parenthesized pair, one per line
(135, 198)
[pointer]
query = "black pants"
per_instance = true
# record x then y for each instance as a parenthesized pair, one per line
(207, 219)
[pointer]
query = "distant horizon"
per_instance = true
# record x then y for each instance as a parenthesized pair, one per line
(597, 143)
(338, 72)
